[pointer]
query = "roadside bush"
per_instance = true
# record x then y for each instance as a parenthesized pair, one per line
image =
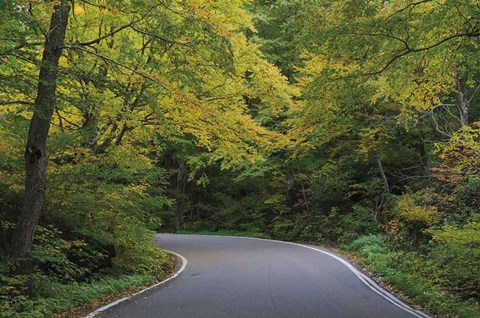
(420, 277)
(374, 253)
(360, 222)
(94, 237)
(341, 227)
(51, 297)
(456, 250)
(409, 219)
(468, 195)
(66, 273)
(136, 251)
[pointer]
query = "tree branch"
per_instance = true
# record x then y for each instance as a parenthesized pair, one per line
(16, 102)
(111, 33)
(108, 60)
(156, 36)
(21, 45)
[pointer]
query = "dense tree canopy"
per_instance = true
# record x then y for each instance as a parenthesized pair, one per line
(354, 123)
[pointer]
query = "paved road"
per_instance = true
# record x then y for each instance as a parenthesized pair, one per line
(239, 277)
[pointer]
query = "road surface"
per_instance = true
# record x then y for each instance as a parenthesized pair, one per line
(229, 277)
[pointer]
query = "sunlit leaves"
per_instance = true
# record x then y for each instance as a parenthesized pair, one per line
(462, 152)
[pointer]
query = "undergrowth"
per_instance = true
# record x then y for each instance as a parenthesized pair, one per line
(396, 269)
(53, 297)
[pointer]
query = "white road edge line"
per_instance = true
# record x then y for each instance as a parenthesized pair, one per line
(372, 284)
(363, 278)
(110, 305)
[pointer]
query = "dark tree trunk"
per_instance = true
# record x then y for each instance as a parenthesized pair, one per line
(291, 191)
(424, 157)
(180, 195)
(35, 155)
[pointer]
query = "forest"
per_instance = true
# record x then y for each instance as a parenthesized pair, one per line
(353, 124)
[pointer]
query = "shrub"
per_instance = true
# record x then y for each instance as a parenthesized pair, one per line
(456, 249)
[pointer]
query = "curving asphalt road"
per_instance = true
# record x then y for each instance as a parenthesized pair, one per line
(228, 277)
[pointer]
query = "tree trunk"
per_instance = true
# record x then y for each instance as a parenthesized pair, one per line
(424, 157)
(382, 174)
(180, 196)
(384, 197)
(291, 191)
(463, 103)
(35, 155)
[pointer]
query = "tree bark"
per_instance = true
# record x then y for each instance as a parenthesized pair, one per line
(384, 197)
(35, 154)
(382, 174)
(180, 196)
(463, 103)
(424, 157)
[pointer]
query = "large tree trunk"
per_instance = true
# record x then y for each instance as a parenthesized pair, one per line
(35, 155)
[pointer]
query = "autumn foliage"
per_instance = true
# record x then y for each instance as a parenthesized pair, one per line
(352, 123)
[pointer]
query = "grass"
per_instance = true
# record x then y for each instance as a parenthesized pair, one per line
(371, 252)
(53, 297)
(432, 297)
(36, 295)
